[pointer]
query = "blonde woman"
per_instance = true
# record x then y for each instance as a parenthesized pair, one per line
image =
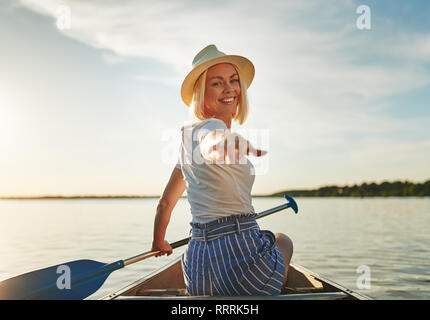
(228, 253)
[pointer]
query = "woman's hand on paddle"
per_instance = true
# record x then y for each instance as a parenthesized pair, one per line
(164, 248)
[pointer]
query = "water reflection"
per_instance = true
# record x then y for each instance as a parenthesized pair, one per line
(332, 237)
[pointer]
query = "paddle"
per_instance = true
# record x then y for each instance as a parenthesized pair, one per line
(78, 279)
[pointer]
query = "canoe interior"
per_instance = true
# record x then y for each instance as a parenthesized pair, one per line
(169, 284)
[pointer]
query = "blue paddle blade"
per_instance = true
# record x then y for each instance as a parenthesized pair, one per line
(74, 280)
(291, 202)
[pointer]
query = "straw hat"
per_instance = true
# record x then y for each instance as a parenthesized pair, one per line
(208, 57)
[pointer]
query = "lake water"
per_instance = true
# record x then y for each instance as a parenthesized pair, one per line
(332, 236)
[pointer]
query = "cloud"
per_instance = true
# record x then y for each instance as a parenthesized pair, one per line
(412, 47)
(319, 80)
(110, 58)
(280, 36)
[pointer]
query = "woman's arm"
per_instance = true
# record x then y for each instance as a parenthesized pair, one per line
(173, 191)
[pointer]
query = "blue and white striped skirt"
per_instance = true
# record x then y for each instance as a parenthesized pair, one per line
(231, 256)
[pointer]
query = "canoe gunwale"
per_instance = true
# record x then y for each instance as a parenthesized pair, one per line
(300, 296)
(332, 284)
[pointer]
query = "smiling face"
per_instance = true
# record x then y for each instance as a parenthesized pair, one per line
(222, 92)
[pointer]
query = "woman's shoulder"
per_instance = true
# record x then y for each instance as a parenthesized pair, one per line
(210, 124)
(198, 130)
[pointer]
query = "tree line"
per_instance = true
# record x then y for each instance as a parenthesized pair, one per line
(384, 189)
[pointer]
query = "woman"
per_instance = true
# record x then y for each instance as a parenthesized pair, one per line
(228, 253)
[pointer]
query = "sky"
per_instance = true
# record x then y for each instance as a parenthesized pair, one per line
(90, 91)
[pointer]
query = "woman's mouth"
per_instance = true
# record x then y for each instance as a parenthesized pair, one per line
(227, 100)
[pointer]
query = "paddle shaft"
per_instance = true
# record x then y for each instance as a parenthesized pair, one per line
(149, 254)
(184, 241)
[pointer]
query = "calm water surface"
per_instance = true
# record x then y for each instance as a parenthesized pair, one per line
(331, 236)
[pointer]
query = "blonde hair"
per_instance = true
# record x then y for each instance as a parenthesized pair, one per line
(198, 102)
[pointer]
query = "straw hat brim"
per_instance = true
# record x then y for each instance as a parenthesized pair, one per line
(243, 65)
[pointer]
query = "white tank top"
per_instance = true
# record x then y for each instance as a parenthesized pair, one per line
(214, 190)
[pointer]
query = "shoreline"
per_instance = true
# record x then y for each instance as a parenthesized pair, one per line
(365, 190)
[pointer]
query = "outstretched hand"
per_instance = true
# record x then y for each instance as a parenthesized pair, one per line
(228, 148)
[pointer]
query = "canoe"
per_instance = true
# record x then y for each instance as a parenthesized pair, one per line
(168, 283)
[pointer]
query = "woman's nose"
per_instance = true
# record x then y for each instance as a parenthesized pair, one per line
(228, 87)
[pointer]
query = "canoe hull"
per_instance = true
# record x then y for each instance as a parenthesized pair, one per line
(168, 283)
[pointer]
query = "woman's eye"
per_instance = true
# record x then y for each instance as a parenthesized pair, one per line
(218, 83)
